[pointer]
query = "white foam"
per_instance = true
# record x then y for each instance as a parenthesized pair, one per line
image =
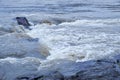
(80, 40)
(98, 22)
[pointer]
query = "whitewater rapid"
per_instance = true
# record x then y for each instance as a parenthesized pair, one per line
(60, 40)
(62, 30)
(80, 40)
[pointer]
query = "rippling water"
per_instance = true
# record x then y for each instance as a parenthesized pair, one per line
(81, 8)
(83, 29)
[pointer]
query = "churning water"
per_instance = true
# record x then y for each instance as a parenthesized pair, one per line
(81, 29)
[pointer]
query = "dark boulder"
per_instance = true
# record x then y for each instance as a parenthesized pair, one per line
(23, 21)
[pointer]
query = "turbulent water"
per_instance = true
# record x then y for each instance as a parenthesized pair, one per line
(76, 30)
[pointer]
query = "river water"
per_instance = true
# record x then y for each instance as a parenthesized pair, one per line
(81, 29)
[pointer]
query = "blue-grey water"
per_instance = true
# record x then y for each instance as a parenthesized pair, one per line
(76, 8)
(90, 28)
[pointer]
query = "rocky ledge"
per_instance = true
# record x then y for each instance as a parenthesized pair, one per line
(68, 70)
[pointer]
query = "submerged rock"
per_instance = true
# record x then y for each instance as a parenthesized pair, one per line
(21, 45)
(12, 29)
(3, 32)
(49, 20)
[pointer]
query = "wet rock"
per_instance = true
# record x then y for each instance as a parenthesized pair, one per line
(49, 20)
(52, 76)
(23, 21)
(89, 70)
(46, 22)
(54, 21)
(33, 40)
(23, 78)
(97, 72)
(28, 69)
(56, 76)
